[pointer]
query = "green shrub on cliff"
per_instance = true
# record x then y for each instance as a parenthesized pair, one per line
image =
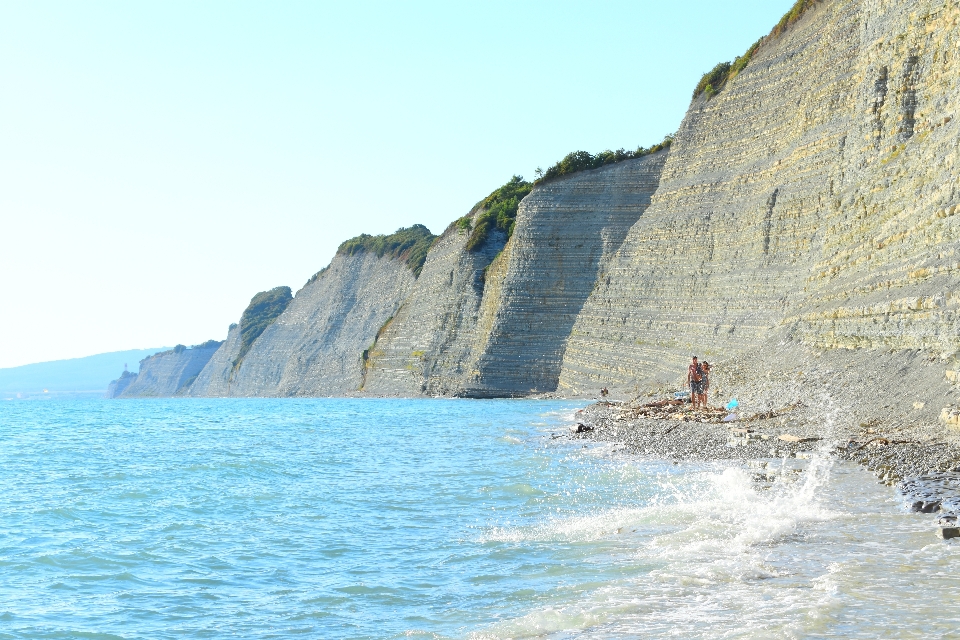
(717, 78)
(317, 275)
(409, 245)
(464, 224)
(263, 310)
(713, 81)
(209, 344)
(792, 16)
(585, 161)
(498, 211)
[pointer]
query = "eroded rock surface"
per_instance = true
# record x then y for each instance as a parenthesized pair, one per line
(165, 374)
(428, 346)
(566, 232)
(318, 345)
(812, 200)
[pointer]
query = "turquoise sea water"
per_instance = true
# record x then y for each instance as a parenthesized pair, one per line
(432, 519)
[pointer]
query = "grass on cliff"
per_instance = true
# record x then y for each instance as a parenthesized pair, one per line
(409, 245)
(717, 78)
(180, 348)
(263, 310)
(497, 211)
(792, 16)
(585, 161)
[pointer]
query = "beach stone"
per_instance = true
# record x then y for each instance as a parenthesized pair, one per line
(949, 532)
(929, 506)
(950, 416)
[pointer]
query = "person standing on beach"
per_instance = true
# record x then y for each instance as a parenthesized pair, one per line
(695, 378)
(704, 384)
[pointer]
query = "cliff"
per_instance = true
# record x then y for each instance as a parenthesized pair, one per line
(810, 201)
(116, 387)
(318, 345)
(163, 374)
(428, 346)
(214, 379)
(493, 322)
(807, 209)
(566, 231)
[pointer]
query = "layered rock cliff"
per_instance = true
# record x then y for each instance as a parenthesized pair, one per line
(319, 344)
(493, 322)
(427, 347)
(566, 231)
(116, 387)
(811, 200)
(164, 374)
(215, 377)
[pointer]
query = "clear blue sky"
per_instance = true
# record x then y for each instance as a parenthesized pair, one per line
(161, 162)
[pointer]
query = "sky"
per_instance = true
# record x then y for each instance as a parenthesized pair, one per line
(162, 162)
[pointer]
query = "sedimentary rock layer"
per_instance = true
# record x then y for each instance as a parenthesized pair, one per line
(812, 200)
(479, 329)
(317, 346)
(566, 231)
(427, 347)
(164, 374)
(215, 378)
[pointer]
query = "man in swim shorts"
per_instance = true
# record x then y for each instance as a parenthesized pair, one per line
(695, 380)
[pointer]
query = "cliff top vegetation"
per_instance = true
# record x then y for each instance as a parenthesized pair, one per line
(717, 78)
(792, 16)
(180, 348)
(409, 244)
(263, 310)
(497, 211)
(585, 161)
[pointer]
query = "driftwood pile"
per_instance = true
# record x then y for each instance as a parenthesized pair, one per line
(680, 410)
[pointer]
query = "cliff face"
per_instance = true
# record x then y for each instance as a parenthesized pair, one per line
(316, 346)
(428, 346)
(811, 200)
(475, 328)
(566, 231)
(215, 377)
(811, 204)
(164, 374)
(118, 386)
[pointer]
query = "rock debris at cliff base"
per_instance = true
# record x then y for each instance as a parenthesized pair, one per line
(882, 410)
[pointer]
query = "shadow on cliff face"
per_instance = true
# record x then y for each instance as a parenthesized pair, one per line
(567, 231)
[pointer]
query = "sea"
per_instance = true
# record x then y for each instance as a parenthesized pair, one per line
(430, 519)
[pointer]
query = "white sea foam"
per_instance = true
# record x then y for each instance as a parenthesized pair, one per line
(715, 555)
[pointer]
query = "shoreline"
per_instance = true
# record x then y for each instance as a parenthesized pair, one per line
(923, 467)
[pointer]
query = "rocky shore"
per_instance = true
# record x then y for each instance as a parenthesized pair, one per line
(905, 444)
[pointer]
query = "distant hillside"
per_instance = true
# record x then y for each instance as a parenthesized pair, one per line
(92, 373)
